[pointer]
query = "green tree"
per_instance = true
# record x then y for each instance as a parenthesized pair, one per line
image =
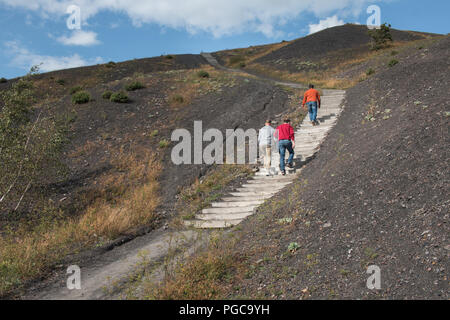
(31, 142)
(381, 37)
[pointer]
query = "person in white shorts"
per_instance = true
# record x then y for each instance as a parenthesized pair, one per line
(265, 141)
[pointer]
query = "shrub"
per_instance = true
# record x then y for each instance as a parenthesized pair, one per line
(169, 57)
(370, 72)
(107, 94)
(134, 86)
(202, 74)
(3, 80)
(81, 97)
(154, 133)
(119, 97)
(242, 65)
(30, 146)
(61, 82)
(177, 99)
(237, 59)
(75, 89)
(392, 63)
(110, 64)
(293, 246)
(381, 36)
(164, 143)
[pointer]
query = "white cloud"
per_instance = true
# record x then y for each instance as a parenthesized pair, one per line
(24, 59)
(326, 23)
(219, 17)
(80, 38)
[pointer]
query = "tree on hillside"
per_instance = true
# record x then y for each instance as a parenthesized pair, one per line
(30, 145)
(381, 36)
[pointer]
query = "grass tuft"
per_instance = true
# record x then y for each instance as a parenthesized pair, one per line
(81, 97)
(119, 97)
(134, 86)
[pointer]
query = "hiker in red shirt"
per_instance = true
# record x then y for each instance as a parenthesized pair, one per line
(312, 98)
(285, 134)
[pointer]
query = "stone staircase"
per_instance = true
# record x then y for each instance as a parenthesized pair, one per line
(241, 203)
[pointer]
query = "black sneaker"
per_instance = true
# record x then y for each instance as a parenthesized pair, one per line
(290, 165)
(283, 172)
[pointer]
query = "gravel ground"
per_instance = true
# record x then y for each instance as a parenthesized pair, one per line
(376, 194)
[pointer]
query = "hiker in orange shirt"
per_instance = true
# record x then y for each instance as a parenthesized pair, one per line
(312, 98)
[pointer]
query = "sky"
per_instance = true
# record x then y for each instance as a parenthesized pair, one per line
(60, 34)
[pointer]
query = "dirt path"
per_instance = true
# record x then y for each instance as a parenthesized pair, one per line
(101, 278)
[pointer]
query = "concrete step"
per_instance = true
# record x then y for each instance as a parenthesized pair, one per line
(265, 185)
(254, 198)
(316, 129)
(305, 146)
(253, 188)
(229, 210)
(278, 173)
(273, 178)
(266, 181)
(235, 203)
(322, 124)
(224, 216)
(250, 194)
(306, 150)
(212, 224)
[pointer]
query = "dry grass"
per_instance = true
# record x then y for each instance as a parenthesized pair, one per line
(321, 79)
(28, 252)
(184, 86)
(330, 78)
(232, 58)
(206, 275)
(202, 192)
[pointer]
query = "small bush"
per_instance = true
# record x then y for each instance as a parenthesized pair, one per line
(75, 89)
(370, 72)
(110, 64)
(293, 246)
(420, 48)
(177, 99)
(154, 133)
(3, 80)
(81, 97)
(202, 74)
(381, 36)
(164, 143)
(61, 82)
(169, 57)
(134, 86)
(107, 94)
(242, 65)
(119, 97)
(392, 63)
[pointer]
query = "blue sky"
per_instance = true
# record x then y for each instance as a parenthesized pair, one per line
(36, 31)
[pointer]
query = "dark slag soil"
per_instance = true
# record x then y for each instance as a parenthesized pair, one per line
(110, 125)
(376, 193)
(320, 44)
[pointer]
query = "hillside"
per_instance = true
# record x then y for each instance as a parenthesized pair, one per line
(376, 193)
(120, 181)
(337, 57)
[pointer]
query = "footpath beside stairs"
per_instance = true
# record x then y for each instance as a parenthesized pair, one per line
(234, 208)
